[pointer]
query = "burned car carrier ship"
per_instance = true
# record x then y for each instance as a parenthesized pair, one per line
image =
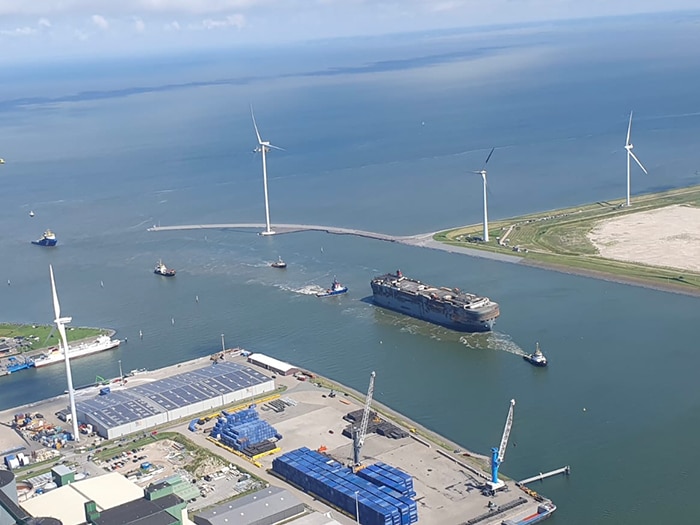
(449, 307)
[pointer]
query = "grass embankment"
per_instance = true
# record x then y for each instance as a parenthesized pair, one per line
(559, 239)
(37, 337)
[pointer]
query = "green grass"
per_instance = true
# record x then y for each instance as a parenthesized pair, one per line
(559, 239)
(38, 337)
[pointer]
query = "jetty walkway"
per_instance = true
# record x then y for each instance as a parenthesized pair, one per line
(422, 240)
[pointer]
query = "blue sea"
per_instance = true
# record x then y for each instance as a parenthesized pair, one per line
(380, 134)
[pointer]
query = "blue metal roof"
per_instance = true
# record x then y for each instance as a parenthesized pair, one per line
(181, 390)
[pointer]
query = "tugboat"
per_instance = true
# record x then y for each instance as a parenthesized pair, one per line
(537, 358)
(335, 289)
(48, 239)
(161, 269)
(279, 263)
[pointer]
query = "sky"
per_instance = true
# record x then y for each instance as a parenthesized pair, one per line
(32, 30)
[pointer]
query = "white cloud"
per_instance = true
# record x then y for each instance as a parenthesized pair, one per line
(237, 21)
(116, 8)
(139, 25)
(18, 31)
(100, 21)
(80, 35)
(179, 24)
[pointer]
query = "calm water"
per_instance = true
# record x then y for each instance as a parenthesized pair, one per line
(379, 135)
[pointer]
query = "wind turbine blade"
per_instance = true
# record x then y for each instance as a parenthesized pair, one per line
(64, 339)
(275, 147)
(640, 164)
(629, 129)
(255, 125)
(56, 306)
(487, 158)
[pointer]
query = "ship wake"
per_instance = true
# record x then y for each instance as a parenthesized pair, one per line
(492, 341)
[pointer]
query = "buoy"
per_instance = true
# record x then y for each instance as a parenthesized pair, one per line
(31, 214)
(584, 409)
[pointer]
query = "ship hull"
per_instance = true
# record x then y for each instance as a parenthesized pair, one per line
(425, 308)
(78, 351)
(45, 242)
(331, 293)
(535, 362)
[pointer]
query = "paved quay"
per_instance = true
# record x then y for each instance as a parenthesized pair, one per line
(447, 477)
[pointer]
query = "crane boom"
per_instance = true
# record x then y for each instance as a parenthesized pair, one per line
(359, 435)
(497, 454)
(506, 433)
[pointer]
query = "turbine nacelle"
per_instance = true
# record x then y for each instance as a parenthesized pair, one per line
(63, 320)
(482, 173)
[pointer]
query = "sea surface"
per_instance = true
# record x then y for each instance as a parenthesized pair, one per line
(380, 134)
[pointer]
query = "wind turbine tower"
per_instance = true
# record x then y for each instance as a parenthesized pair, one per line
(263, 147)
(61, 325)
(482, 172)
(630, 155)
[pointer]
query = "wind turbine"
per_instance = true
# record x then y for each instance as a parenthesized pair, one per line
(60, 324)
(482, 172)
(263, 147)
(631, 155)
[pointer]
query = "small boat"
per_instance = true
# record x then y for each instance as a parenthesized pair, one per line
(279, 263)
(48, 239)
(537, 358)
(335, 289)
(161, 269)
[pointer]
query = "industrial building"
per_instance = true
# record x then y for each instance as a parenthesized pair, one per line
(110, 499)
(10, 511)
(264, 507)
(272, 364)
(67, 501)
(116, 413)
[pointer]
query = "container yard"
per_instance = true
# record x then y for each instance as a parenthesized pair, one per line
(323, 442)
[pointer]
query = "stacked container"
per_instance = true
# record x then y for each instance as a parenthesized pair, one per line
(374, 502)
(243, 429)
(396, 479)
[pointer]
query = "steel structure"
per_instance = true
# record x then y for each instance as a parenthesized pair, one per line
(359, 434)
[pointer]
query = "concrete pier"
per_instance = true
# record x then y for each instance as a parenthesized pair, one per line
(564, 470)
(422, 240)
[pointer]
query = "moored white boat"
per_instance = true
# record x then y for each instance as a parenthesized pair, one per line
(100, 344)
